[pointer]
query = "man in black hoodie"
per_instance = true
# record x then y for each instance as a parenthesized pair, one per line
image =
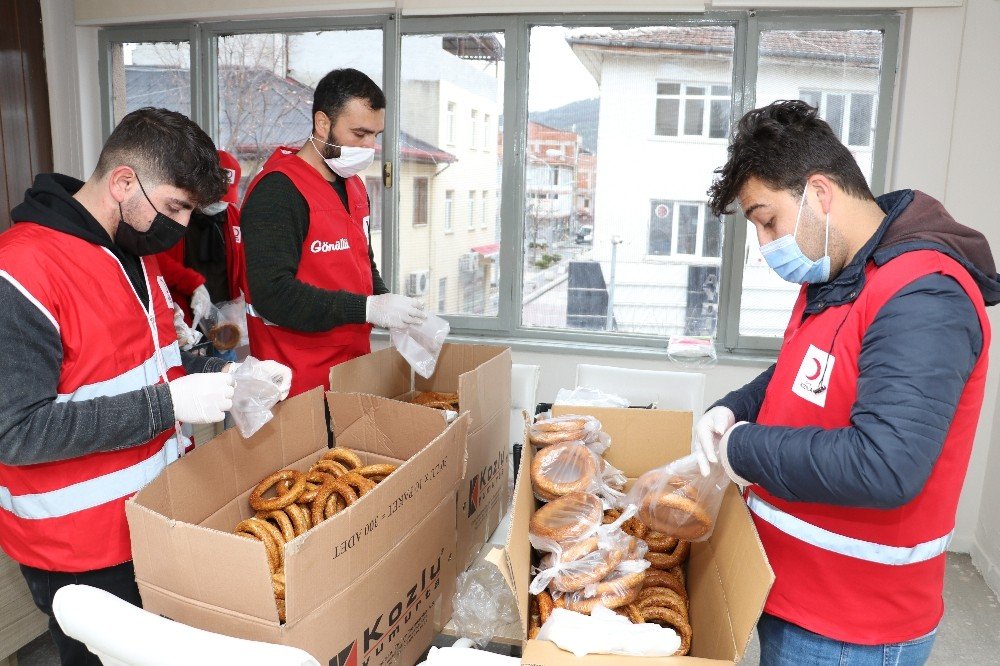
(92, 382)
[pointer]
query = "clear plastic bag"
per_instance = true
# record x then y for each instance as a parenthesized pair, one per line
(235, 312)
(619, 588)
(678, 501)
(225, 324)
(560, 469)
(587, 396)
(254, 394)
(573, 516)
(569, 428)
(691, 351)
(483, 603)
(421, 345)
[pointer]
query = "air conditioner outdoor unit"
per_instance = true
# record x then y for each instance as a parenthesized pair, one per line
(416, 282)
(468, 263)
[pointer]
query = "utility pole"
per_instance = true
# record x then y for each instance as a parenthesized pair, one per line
(610, 318)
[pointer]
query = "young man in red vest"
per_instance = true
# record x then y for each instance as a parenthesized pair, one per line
(853, 447)
(312, 287)
(92, 382)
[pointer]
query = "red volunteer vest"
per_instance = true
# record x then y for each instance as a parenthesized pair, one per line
(334, 257)
(868, 576)
(69, 515)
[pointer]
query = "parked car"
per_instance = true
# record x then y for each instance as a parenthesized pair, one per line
(585, 235)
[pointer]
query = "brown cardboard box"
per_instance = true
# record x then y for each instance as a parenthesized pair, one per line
(728, 575)
(378, 576)
(481, 376)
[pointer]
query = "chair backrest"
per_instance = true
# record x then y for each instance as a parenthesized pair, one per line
(681, 391)
(121, 634)
(523, 387)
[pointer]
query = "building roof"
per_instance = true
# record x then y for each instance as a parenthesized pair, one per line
(857, 47)
(245, 97)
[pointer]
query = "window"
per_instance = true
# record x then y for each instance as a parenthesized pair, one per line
(849, 114)
(685, 109)
(679, 228)
(420, 201)
(626, 119)
(449, 209)
(450, 123)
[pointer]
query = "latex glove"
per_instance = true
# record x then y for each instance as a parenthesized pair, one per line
(724, 456)
(280, 374)
(709, 429)
(394, 311)
(201, 305)
(186, 337)
(202, 397)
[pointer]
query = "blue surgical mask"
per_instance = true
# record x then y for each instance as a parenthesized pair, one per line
(787, 259)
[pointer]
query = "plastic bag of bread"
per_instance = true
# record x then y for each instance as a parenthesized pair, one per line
(560, 429)
(619, 588)
(559, 469)
(573, 516)
(254, 394)
(676, 500)
(421, 344)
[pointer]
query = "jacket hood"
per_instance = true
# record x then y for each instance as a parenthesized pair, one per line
(49, 202)
(923, 223)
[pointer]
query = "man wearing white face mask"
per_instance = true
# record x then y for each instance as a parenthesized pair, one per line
(853, 447)
(312, 287)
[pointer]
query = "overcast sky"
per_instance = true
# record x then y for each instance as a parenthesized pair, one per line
(555, 75)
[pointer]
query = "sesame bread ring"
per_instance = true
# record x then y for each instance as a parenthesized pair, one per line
(665, 561)
(360, 484)
(281, 520)
(562, 423)
(299, 517)
(278, 582)
(315, 480)
(545, 606)
(331, 467)
(533, 624)
(674, 510)
(632, 612)
(563, 468)
(567, 518)
(588, 570)
(542, 439)
(317, 511)
(610, 597)
(342, 497)
(663, 598)
(660, 543)
(667, 617)
(346, 457)
(259, 503)
(667, 579)
(577, 549)
(371, 471)
(255, 530)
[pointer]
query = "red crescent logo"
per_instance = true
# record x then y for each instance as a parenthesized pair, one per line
(816, 374)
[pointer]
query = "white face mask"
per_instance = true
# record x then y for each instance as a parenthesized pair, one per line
(215, 208)
(352, 160)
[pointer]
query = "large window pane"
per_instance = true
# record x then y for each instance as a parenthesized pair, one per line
(451, 95)
(828, 69)
(627, 215)
(150, 74)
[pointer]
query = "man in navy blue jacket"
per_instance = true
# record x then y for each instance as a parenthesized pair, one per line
(853, 446)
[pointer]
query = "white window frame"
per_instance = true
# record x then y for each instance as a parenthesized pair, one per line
(450, 112)
(698, 256)
(844, 131)
(449, 211)
(682, 96)
(472, 209)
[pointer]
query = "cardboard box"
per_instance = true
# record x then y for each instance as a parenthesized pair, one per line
(377, 578)
(728, 575)
(481, 376)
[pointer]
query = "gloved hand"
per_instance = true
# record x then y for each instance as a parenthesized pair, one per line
(280, 374)
(394, 311)
(203, 397)
(186, 337)
(201, 304)
(707, 432)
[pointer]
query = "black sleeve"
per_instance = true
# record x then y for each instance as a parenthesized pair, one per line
(745, 402)
(274, 223)
(35, 427)
(916, 358)
(197, 363)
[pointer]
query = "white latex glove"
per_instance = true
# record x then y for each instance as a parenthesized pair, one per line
(280, 374)
(186, 337)
(724, 456)
(709, 429)
(202, 397)
(394, 311)
(201, 304)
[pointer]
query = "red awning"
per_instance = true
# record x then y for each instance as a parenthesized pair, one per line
(487, 250)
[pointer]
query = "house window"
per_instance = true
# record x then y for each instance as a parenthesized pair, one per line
(472, 209)
(449, 210)
(850, 115)
(486, 133)
(474, 128)
(687, 109)
(485, 222)
(420, 201)
(450, 123)
(443, 294)
(680, 228)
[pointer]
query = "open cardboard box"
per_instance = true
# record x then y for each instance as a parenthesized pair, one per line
(481, 376)
(378, 576)
(728, 577)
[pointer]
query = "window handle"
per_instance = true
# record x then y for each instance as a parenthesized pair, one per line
(387, 175)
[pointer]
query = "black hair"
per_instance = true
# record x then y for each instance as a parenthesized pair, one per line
(782, 144)
(340, 86)
(166, 148)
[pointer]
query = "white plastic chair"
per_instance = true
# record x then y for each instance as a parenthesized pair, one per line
(680, 391)
(121, 634)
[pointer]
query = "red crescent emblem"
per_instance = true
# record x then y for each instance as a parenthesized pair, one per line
(816, 374)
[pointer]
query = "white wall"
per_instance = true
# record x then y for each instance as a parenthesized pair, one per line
(946, 143)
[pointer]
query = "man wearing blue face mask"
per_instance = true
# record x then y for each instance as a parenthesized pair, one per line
(853, 447)
(312, 287)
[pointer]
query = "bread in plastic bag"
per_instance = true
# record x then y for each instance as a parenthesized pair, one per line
(678, 501)
(620, 587)
(573, 516)
(225, 324)
(421, 344)
(559, 429)
(254, 394)
(564, 468)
